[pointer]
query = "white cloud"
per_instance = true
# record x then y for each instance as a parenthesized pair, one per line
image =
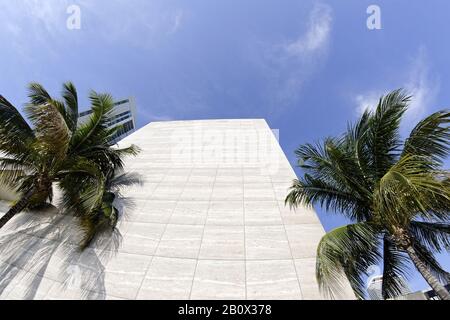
(418, 82)
(30, 23)
(142, 24)
(31, 19)
(47, 13)
(292, 63)
(35, 16)
(423, 86)
(316, 37)
(367, 100)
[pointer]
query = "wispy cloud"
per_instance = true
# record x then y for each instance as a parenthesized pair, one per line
(32, 21)
(292, 62)
(316, 37)
(35, 22)
(41, 14)
(422, 85)
(367, 100)
(418, 81)
(142, 24)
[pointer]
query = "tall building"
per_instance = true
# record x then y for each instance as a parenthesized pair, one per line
(374, 289)
(124, 115)
(209, 222)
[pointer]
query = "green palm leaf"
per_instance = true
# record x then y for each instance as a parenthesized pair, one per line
(348, 250)
(435, 236)
(395, 266)
(86, 134)
(71, 105)
(52, 133)
(382, 137)
(430, 137)
(15, 133)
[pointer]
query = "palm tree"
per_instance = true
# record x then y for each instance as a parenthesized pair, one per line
(105, 216)
(394, 191)
(56, 148)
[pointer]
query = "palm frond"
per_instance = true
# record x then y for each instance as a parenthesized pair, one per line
(408, 188)
(332, 177)
(348, 170)
(395, 266)
(71, 105)
(435, 236)
(82, 184)
(430, 261)
(52, 133)
(37, 94)
(15, 133)
(354, 141)
(348, 250)
(108, 158)
(382, 138)
(11, 170)
(85, 199)
(102, 106)
(105, 217)
(309, 191)
(430, 137)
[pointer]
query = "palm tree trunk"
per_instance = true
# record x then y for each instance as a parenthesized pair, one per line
(18, 207)
(427, 275)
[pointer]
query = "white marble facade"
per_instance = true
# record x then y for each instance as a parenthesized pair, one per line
(209, 222)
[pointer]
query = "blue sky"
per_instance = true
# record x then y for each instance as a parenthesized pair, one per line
(307, 67)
